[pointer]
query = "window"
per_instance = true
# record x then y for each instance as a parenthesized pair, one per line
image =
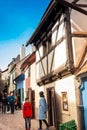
(49, 43)
(64, 101)
(44, 48)
(29, 71)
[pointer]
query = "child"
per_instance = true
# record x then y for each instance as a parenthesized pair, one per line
(27, 113)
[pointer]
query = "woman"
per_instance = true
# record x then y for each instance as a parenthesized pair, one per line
(42, 111)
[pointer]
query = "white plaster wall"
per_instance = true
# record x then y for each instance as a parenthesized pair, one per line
(67, 85)
(37, 71)
(33, 84)
(41, 53)
(60, 55)
(26, 75)
(80, 19)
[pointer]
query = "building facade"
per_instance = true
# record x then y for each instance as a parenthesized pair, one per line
(31, 89)
(61, 50)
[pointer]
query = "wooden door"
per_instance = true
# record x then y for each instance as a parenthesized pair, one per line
(51, 106)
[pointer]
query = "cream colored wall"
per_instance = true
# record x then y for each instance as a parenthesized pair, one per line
(11, 85)
(41, 53)
(60, 55)
(79, 18)
(67, 85)
(34, 87)
(79, 46)
(79, 26)
(4, 75)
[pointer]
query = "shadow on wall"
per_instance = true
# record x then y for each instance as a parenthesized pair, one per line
(58, 108)
(74, 112)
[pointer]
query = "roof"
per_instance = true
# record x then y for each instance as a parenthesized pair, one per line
(52, 13)
(30, 59)
(49, 18)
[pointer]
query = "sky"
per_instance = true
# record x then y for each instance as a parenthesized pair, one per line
(18, 21)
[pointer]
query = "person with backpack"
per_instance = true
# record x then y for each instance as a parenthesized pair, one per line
(27, 113)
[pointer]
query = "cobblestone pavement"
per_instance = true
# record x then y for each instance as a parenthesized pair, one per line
(12, 121)
(16, 122)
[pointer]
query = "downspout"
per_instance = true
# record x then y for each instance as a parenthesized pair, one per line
(69, 52)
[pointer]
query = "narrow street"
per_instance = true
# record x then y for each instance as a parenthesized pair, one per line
(16, 122)
(11, 121)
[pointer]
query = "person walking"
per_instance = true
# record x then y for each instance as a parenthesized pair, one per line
(4, 103)
(0, 100)
(11, 100)
(42, 111)
(8, 104)
(27, 113)
(19, 101)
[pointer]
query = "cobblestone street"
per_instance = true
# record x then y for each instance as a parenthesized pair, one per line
(12, 121)
(16, 122)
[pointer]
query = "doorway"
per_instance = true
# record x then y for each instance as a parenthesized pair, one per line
(51, 106)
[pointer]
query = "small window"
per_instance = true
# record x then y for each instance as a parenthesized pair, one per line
(29, 71)
(44, 48)
(64, 101)
(49, 43)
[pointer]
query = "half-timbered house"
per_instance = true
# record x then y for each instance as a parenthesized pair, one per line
(61, 50)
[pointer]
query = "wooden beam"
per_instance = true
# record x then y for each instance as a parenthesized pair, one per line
(82, 5)
(75, 1)
(79, 35)
(73, 6)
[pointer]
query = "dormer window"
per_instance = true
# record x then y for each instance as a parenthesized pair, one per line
(44, 48)
(49, 43)
(29, 71)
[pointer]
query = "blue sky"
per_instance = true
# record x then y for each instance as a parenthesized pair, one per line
(18, 20)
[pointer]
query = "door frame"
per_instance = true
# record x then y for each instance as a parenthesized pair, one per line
(51, 99)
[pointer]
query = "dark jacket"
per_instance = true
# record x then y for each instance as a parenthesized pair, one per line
(4, 100)
(11, 99)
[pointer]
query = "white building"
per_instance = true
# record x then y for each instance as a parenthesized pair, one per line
(61, 51)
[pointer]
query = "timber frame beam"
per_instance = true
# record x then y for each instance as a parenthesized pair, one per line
(73, 6)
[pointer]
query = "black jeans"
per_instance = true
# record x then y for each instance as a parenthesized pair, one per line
(4, 108)
(8, 107)
(40, 123)
(12, 107)
(27, 123)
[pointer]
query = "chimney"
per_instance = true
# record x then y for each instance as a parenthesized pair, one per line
(22, 52)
